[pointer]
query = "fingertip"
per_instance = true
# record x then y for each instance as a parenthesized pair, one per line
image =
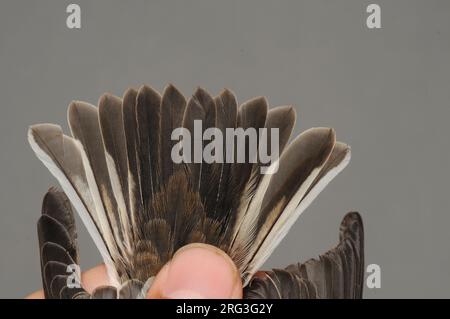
(198, 271)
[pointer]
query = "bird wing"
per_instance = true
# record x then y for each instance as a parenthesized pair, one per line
(337, 274)
(58, 248)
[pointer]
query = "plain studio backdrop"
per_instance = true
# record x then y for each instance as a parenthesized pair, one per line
(385, 91)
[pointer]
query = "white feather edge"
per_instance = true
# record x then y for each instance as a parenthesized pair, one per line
(109, 227)
(131, 191)
(253, 248)
(253, 204)
(289, 216)
(120, 199)
(107, 232)
(242, 230)
(248, 220)
(73, 196)
(265, 249)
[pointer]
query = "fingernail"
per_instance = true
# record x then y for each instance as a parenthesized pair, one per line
(200, 271)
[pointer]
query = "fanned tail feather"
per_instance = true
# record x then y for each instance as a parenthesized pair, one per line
(140, 206)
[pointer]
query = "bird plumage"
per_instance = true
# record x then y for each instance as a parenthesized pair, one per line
(140, 206)
(336, 274)
(57, 246)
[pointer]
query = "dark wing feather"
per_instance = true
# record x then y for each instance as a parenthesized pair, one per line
(194, 112)
(148, 117)
(339, 273)
(85, 126)
(251, 114)
(226, 104)
(173, 105)
(113, 134)
(131, 137)
(281, 118)
(309, 152)
(62, 155)
(274, 214)
(226, 110)
(58, 246)
(209, 172)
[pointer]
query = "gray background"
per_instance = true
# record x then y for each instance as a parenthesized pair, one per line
(386, 92)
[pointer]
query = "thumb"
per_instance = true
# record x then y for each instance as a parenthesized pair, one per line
(198, 271)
